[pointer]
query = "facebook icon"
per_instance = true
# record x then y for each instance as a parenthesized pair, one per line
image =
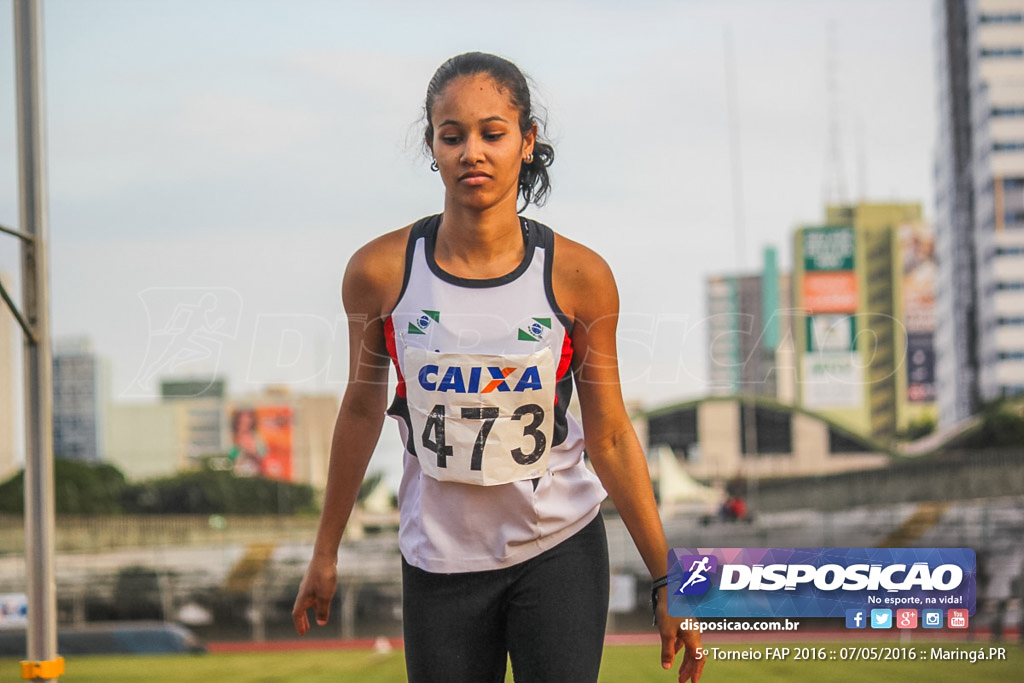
(856, 618)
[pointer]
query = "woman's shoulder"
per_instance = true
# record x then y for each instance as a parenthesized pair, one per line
(581, 280)
(577, 264)
(377, 267)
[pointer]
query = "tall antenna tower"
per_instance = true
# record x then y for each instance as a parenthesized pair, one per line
(834, 186)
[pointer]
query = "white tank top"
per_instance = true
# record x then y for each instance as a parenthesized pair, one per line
(493, 464)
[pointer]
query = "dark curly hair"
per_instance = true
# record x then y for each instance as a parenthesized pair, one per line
(534, 182)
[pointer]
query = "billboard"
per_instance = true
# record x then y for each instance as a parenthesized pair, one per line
(261, 442)
(830, 292)
(832, 380)
(831, 333)
(831, 375)
(917, 254)
(828, 248)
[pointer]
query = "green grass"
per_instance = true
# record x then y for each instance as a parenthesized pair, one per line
(622, 664)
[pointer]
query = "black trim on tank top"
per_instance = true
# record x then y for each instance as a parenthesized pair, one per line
(400, 408)
(418, 230)
(529, 244)
(547, 241)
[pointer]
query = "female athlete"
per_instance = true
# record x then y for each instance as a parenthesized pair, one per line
(488, 318)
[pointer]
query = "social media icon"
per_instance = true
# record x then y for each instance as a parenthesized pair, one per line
(856, 618)
(906, 618)
(931, 618)
(881, 618)
(957, 618)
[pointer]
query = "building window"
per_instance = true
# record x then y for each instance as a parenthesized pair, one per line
(1011, 355)
(1009, 251)
(1008, 146)
(773, 430)
(1009, 286)
(1002, 18)
(843, 443)
(677, 429)
(1002, 52)
(1007, 111)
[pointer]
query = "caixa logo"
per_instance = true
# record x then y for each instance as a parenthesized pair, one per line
(478, 379)
(695, 576)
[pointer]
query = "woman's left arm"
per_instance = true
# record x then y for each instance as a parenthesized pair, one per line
(585, 289)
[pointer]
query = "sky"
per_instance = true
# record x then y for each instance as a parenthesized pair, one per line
(213, 165)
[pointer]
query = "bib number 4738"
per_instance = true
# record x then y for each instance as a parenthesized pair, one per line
(433, 437)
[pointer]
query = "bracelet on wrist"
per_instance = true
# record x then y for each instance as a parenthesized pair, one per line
(657, 585)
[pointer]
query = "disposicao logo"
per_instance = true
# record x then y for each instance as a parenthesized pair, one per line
(695, 580)
(818, 582)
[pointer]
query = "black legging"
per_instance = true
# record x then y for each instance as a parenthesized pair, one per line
(547, 614)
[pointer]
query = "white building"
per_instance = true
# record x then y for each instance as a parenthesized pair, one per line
(979, 174)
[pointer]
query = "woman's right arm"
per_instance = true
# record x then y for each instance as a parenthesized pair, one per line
(368, 292)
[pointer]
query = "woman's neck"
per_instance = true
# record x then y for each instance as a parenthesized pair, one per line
(479, 244)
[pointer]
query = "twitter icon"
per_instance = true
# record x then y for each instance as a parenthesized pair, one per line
(881, 618)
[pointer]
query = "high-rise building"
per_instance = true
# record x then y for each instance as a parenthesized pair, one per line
(80, 397)
(748, 320)
(203, 401)
(979, 221)
(863, 326)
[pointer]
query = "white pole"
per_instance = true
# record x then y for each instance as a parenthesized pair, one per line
(43, 663)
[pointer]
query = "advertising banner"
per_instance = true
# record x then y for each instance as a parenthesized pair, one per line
(920, 367)
(13, 610)
(831, 333)
(819, 582)
(828, 248)
(261, 439)
(917, 253)
(831, 380)
(830, 292)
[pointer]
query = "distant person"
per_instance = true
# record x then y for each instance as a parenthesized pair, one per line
(734, 509)
(488, 318)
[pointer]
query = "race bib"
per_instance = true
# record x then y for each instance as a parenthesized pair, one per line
(481, 419)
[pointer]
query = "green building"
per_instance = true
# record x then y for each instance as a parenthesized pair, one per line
(863, 292)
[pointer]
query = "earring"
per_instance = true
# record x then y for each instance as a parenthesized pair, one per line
(529, 158)
(433, 165)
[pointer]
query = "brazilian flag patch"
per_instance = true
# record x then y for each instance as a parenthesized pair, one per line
(423, 322)
(535, 330)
